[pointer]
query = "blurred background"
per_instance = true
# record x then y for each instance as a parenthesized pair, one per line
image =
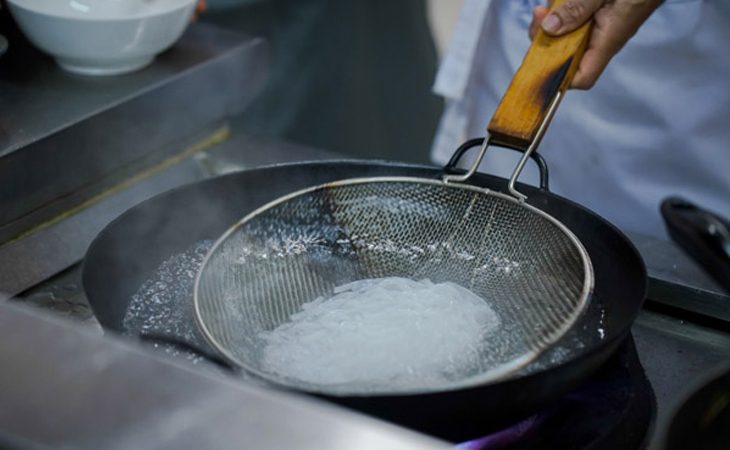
(351, 77)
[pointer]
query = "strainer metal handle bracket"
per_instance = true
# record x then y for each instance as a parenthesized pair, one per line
(451, 167)
(527, 153)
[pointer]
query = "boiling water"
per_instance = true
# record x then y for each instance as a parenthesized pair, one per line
(382, 333)
(589, 330)
(163, 305)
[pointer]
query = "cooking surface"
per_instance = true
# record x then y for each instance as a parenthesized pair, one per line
(681, 335)
(673, 350)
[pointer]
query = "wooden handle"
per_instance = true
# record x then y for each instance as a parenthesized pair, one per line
(547, 69)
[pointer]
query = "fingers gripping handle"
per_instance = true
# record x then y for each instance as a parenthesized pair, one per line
(546, 71)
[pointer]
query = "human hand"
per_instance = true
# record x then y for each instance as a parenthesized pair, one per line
(614, 22)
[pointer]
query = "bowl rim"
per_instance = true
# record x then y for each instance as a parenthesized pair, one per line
(20, 4)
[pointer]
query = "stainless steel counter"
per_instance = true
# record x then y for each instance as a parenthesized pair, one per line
(66, 138)
(76, 151)
(62, 386)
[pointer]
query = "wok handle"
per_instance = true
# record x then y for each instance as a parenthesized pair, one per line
(542, 166)
(546, 72)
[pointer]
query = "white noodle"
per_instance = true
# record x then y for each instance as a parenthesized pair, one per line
(382, 333)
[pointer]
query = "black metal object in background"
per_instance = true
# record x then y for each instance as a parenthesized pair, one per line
(702, 234)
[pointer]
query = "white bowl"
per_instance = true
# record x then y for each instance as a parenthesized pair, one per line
(102, 37)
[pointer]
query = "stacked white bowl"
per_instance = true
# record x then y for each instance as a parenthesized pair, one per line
(102, 37)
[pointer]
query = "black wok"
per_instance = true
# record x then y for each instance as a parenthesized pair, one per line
(129, 250)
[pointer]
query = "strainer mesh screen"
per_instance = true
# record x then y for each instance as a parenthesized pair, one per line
(521, 262)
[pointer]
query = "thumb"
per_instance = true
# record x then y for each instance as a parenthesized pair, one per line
(569, 15)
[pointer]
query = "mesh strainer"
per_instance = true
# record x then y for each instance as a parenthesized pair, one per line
(530, 268)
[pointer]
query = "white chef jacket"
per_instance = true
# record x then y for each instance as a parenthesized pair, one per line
(657, 122)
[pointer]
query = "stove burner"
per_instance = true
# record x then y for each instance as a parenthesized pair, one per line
(614, 409)
(504, 438)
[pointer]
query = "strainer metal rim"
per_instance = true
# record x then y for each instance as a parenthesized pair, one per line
(493, 375)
